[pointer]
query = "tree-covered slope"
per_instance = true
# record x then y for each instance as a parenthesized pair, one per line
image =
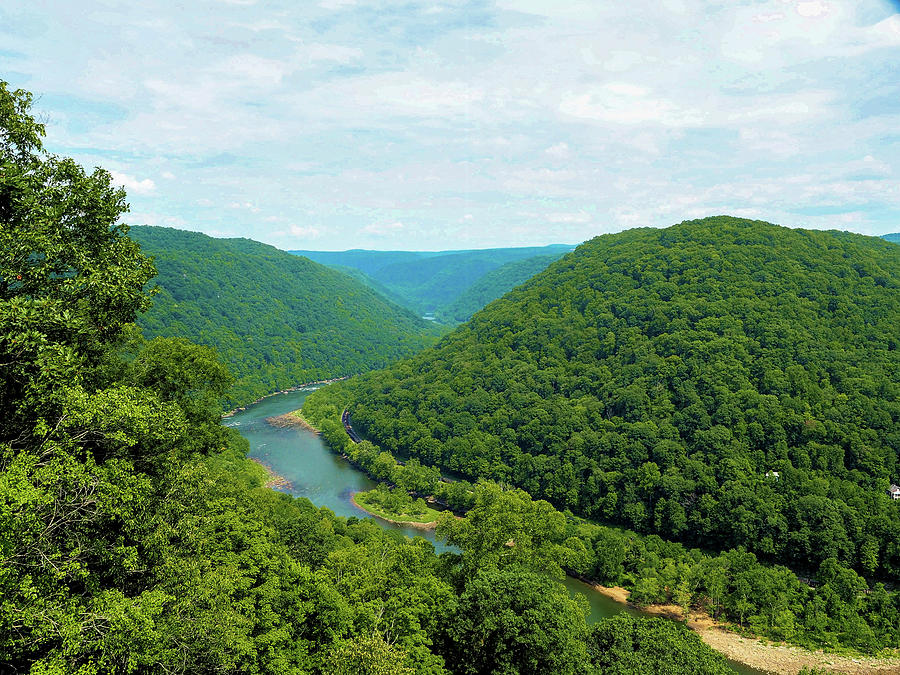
(493, 285)
(278, 320)
(428, 281)
(724, 382)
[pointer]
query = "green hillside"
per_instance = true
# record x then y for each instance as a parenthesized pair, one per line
(429, 281)
(493, 285)
(722, 382)
(278, 320)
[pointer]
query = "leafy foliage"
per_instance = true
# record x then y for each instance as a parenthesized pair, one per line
(277, 320)
(513, 621)
(625, 645)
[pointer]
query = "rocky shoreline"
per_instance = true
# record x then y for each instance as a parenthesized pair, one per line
(292, 420)
(276, 481)
(771, 657)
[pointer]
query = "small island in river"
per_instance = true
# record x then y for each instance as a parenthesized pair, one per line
(396, 506)
(292, 419)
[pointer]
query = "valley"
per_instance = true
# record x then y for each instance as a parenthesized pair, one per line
(452, 285)
(700, 419)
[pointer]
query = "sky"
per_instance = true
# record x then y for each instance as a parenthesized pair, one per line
(461, 124)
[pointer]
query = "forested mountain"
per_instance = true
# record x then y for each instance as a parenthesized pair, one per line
(277, 319)
(135, 537)
(428, 281)
(892, 237)
(493, 285)
(722, 382)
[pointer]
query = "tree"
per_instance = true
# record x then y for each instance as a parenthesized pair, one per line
(191, 376)
(623, 645)
(506, 528)
(513, 621)
(366, 656)
(71, 283)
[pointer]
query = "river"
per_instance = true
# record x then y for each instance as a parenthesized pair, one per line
(327, 480)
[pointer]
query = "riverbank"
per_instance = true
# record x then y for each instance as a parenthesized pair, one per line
(430, 525)
(776, 658)
(274, 482)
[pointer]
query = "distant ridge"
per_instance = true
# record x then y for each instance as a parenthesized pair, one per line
(430, 281)
(895, 237)
(277, 319)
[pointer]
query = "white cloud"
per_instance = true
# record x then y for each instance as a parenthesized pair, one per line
(768, 17)
(132, 184)
(253, 70)
(771, 142)
(868, 167)
(558, 151)
(616, 61)
(885, 33)
(389, 112)
(812, 8)
(579, 217)
(317, 52)
(422, 96)
(247, 206)
(625, 103)
(305, 231)
(382, 229)
(157, 219)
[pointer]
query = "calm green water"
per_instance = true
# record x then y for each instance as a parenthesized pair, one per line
(327, 480)
(302, 458)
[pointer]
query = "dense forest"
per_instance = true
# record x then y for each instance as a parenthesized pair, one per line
(136, 537)
(429, 282)
(491, 286)
(722, 382)
(277, 320)
(838, 610)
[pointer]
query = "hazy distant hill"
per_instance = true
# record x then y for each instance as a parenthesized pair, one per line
(892, 237)
(724, 382)
(428, 281)
(277, 319)
(493, 285)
